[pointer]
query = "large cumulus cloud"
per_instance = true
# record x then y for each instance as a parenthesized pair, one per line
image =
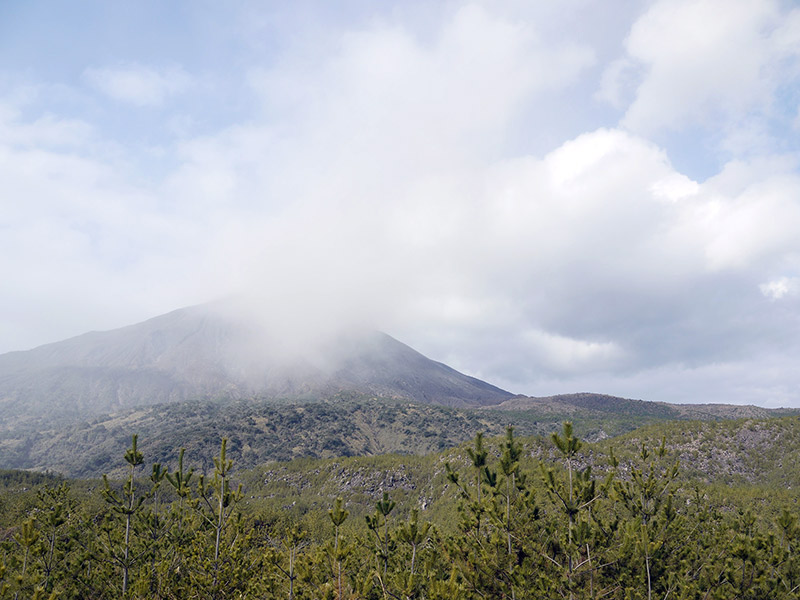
(500, 186)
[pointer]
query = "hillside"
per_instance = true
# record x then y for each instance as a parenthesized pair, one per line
(267, 430)
(758, 458)
(259, 432)
(737, 452)
(262, 431)
(762, 455)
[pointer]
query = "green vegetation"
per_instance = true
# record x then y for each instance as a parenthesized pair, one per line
(638, 517)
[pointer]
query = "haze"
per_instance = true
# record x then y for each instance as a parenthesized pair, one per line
(553, 197)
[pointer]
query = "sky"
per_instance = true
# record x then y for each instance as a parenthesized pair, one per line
(552, 196)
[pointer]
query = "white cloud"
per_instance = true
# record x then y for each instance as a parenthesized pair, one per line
(420, 103)
(768, 380)
(704, 62)
(76, 230)
(759, 223)
(47, 131)
(780, 288)
(565, 354)
(138, 84)
(675, 187)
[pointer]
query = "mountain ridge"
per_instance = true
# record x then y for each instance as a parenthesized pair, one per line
(605, 403)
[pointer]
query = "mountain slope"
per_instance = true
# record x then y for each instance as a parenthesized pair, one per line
(206, 353)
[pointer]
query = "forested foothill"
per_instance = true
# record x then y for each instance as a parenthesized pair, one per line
(681, 510)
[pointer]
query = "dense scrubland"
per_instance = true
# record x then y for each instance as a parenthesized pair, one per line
(676, 510)
(346, 424)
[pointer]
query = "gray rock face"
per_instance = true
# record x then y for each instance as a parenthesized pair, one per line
(204, 353)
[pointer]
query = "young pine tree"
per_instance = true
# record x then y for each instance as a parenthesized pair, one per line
(573, 495)
(338, 516)
(647, 496)
(127, 505)
(215, 503)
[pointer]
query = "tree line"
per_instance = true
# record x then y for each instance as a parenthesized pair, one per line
(563, 528)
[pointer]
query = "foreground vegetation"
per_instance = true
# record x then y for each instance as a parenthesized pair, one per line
(496, 519)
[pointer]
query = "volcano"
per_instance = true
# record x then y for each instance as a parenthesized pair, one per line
(202, 352)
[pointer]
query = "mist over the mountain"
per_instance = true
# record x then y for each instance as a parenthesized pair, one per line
(224, 350)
